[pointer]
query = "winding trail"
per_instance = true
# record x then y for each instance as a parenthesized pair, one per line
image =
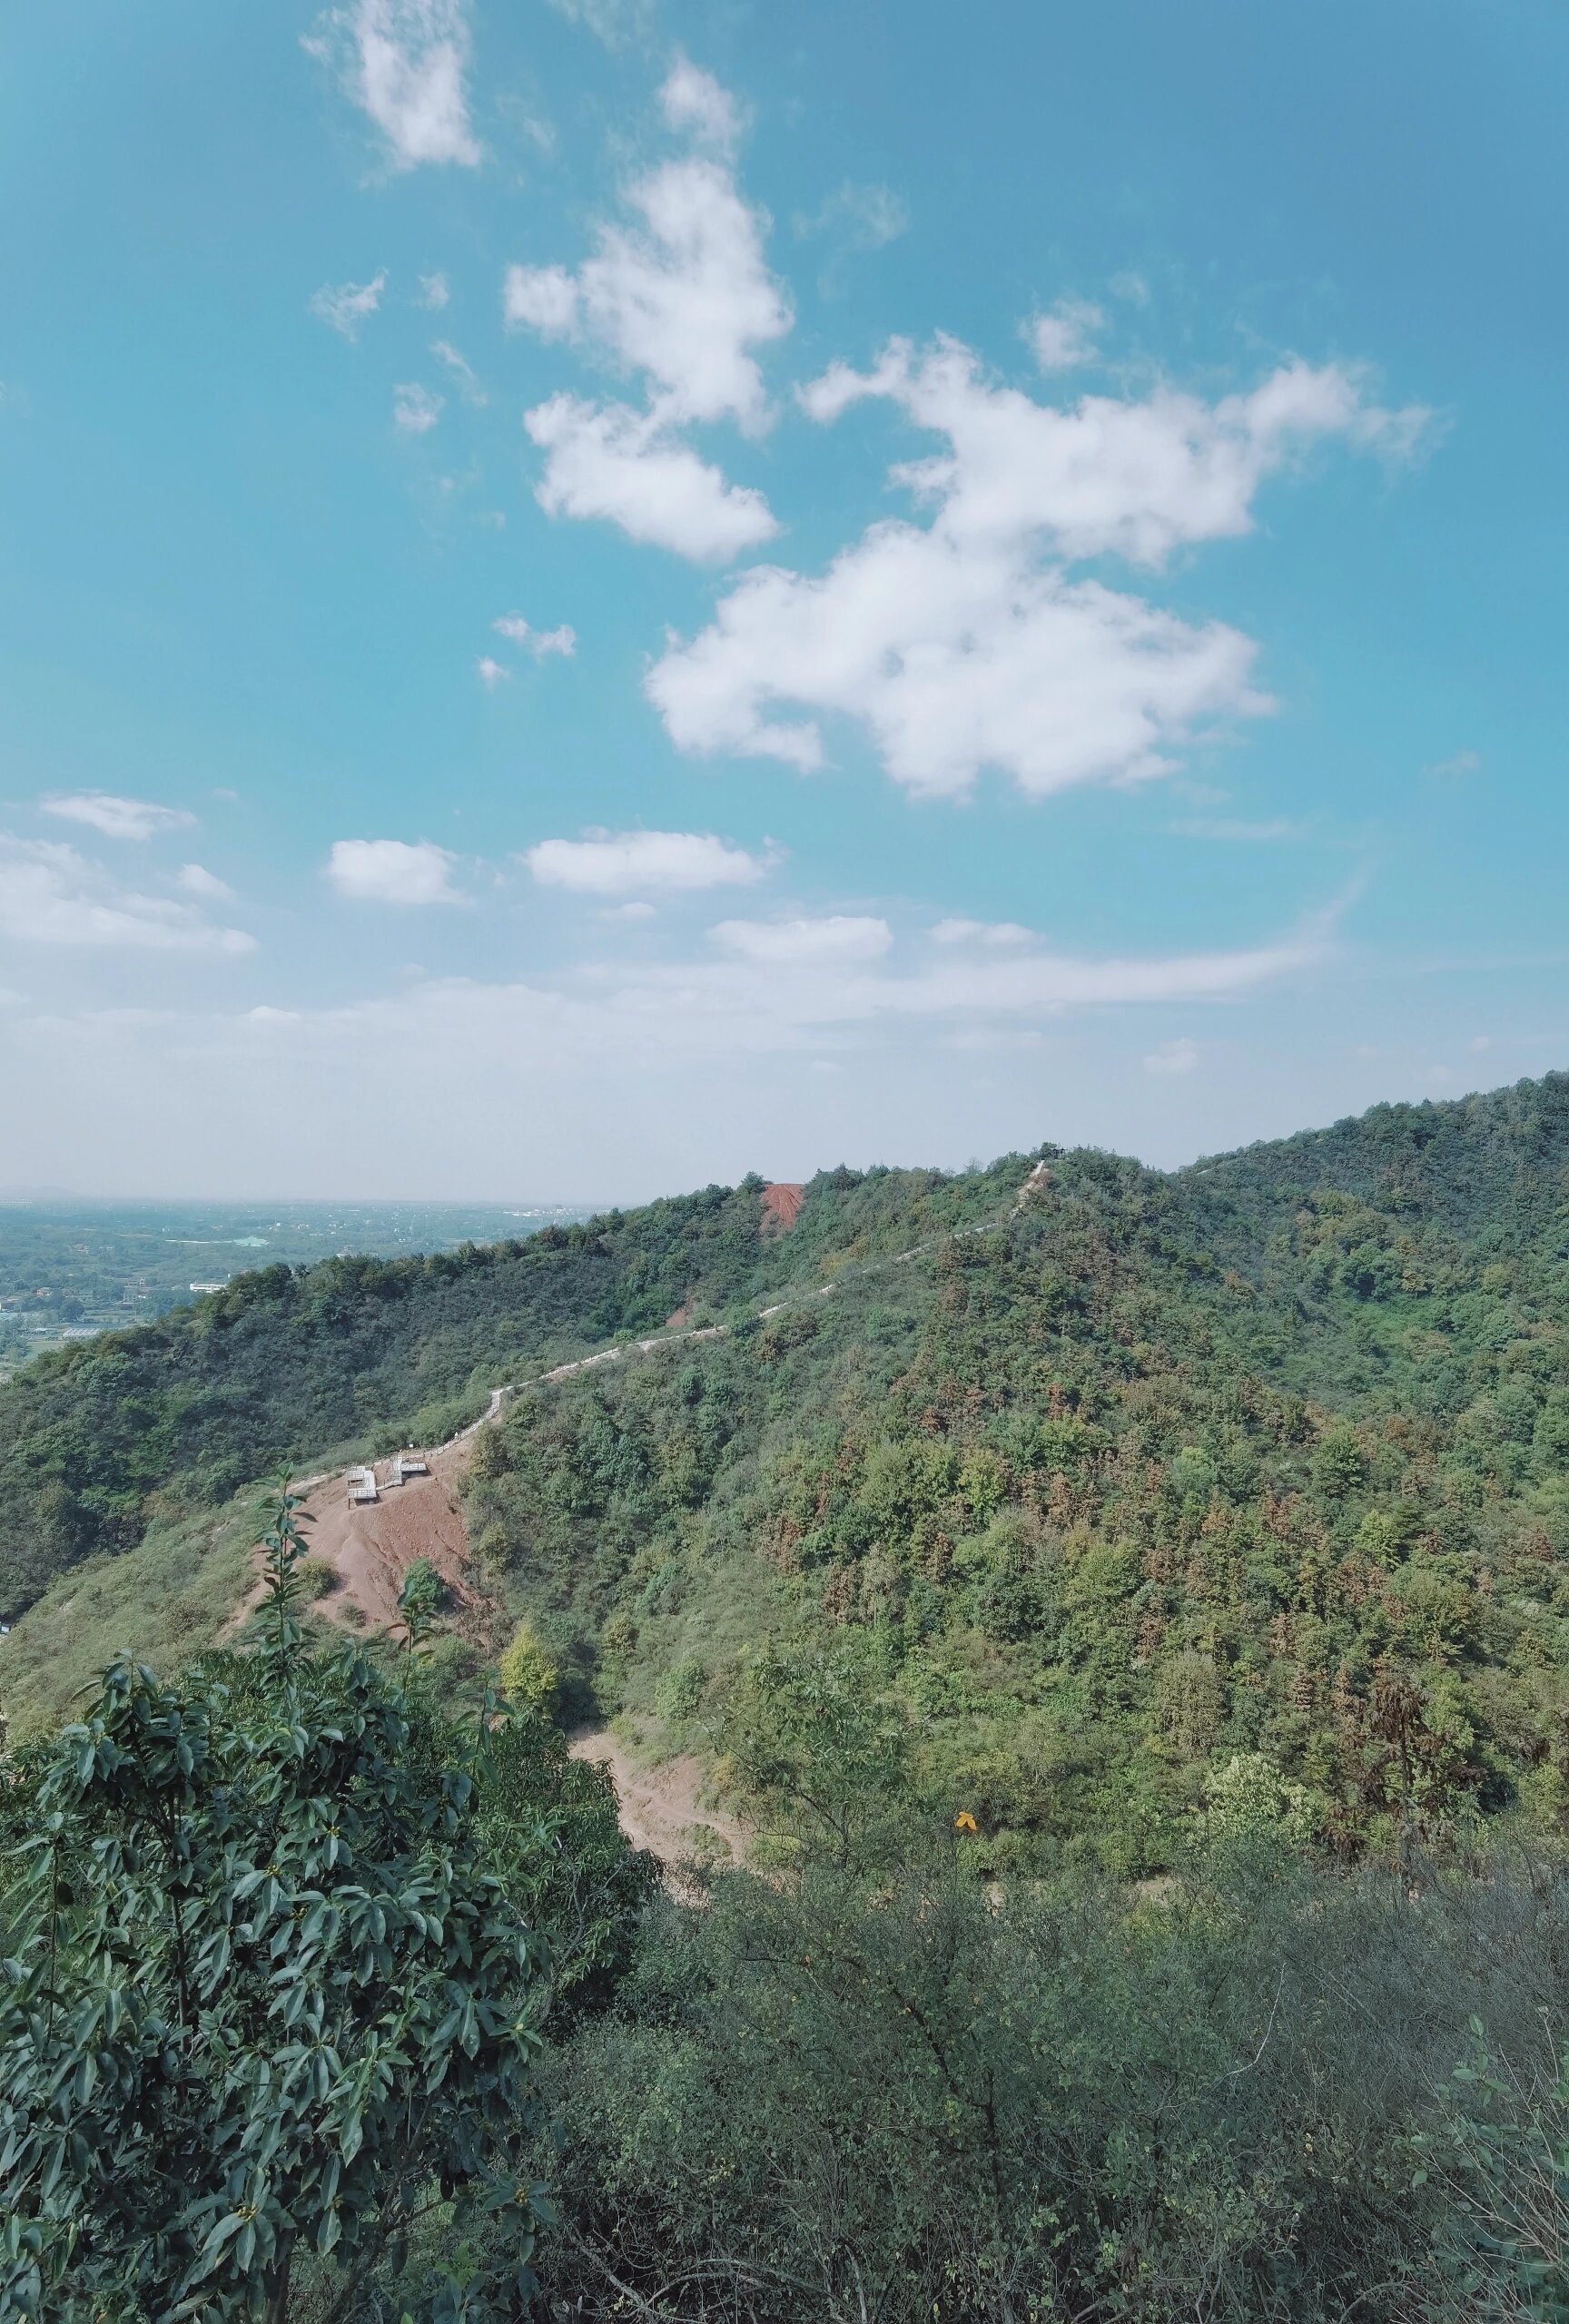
(657, 1803)
(370, 1547)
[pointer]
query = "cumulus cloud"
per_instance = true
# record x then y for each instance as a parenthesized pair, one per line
(537, 642)
(415, 411)
(970, 642)
(682, 296)
(612, 462)
(392, 871)
(1172, 1058)
(693, 101)
(1062, 338)
(344, 306)
(49, 894)
(491, 673)
(403, 62)
(116, 818)
(434, 293)
(619, 864)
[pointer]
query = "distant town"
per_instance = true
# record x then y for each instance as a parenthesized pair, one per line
(71, 1270)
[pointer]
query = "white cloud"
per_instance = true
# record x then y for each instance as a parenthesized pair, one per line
(619, 864)
(996, 933)
(467, 384)
(840, 939)
(968, 642)
(197, 880)
(683, 298)
(491, 673)
(391, 871)
(612, 462)
(434, 291)
(1450, 770)
(1172, 1058)
(1061, 337)
(344, 306)
(403, 62)
(538, 642)
(49, 894)
(415, 411)
(693, 101)
(116, 818)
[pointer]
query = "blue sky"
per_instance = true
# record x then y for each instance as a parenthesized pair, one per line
(595, 596)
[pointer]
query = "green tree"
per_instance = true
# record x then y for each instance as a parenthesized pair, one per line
(267, 1992)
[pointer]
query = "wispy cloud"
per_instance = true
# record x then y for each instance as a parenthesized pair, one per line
(197, 880)
(415, 411)
(616, 23)
(537, 642)
(434, 293)
(1172, 1058)
(469, 385)
(997, 934)
(116, 818)
(491, 673)
(50, 895)
(392, 871)
(694, 103)
(1230, 828)
(619, 864)
(1063, 337)
(344, 306)
(403, 62)
(862, 217)
(1456, 769)
(838, 940)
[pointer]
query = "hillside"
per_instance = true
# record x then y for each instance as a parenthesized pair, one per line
(1097, 1483)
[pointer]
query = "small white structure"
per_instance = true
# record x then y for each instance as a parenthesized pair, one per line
(362, 1484)
(411, 1464)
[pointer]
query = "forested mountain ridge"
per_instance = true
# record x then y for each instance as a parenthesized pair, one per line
(1268, 1456)
(286, 1364)
(1266, 1459)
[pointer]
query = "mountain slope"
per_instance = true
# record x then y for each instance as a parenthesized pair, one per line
(1103, 1480)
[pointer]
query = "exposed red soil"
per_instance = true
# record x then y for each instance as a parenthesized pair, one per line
(370, 1548)
(781, 1206)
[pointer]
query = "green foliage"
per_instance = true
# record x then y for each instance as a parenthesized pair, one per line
(1135, 1479)
(287, 1363)
(529, 1671)
(265, 1992)
(906, 2095)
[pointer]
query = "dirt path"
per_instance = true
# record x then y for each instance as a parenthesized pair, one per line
(371, 1546)
(658, 1804)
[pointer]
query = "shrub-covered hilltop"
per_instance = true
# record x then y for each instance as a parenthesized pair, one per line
(1267, 1457)
(1102, 1481)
